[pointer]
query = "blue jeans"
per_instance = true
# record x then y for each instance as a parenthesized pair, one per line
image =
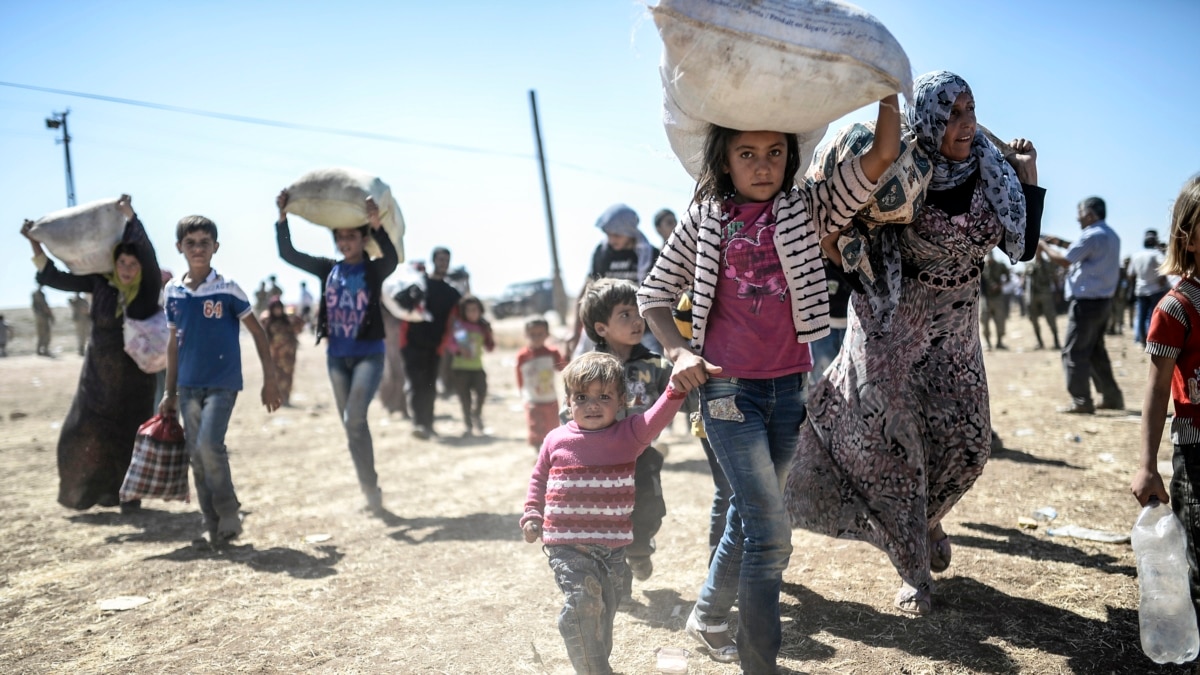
(589, 577)
(1145, 308)
(206, 415)
(354, 380)
(824, 351)
(719, 513)
(753, 426)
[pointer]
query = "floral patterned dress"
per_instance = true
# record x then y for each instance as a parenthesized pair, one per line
(899, 429)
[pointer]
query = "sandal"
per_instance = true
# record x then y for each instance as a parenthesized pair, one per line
(714, 638)
(939, 550)
(911, 601)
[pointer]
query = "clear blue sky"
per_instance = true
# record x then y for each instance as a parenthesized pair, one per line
(1106, 90)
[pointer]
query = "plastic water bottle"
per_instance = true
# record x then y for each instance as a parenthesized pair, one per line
(1166, 614)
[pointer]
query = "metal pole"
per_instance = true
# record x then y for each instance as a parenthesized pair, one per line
(55, 121)
(560, 294)
(66, 141)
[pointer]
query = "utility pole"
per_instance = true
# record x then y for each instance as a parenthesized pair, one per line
(56, 120)
(560, 293)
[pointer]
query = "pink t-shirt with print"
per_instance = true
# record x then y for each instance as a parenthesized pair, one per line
(750, 329)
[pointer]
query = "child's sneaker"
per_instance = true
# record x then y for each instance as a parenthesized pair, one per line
(206, 541)
(375, 502)
(714, 638)
(641, 566)
(229, 528)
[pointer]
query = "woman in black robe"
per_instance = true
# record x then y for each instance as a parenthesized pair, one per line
(114, 396)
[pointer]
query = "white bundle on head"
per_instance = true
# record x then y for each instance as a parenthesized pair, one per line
(336, 198)
(791, 66)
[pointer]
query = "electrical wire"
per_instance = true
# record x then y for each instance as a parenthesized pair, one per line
(280, 124)
(262, 121)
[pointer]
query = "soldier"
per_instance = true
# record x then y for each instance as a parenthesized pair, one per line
(43, 316)
(82, 320)
(1039, 288)
(993, 305)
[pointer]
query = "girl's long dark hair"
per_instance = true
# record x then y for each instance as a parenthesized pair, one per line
(715, 182)
(468, 300)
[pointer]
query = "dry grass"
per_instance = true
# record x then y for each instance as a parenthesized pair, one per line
(445, 585)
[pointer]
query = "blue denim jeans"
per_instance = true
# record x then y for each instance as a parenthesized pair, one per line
(753, 426)
(589, 577)
(1145, 308)
(354, 380)
(206, 415)
(824, 351)
(719, 513)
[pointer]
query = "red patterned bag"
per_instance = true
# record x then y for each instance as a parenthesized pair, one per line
(159, 467)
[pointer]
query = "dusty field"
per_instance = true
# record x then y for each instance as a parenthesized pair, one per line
(444, 583)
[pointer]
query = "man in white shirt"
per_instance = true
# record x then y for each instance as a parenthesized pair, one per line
(1150, 285)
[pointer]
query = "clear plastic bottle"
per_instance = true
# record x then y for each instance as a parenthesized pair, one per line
(1166, 614)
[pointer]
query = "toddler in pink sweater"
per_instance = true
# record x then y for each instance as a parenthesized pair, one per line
(581, 495)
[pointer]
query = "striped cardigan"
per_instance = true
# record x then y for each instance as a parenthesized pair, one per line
(691, 257)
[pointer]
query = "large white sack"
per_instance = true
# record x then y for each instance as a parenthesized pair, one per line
(687, 136)
(335, 197)
(778, 65)
(82, 237)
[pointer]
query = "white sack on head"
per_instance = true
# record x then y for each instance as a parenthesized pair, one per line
(335, 198)
(779, 65)
(687, 137)
(82, 237)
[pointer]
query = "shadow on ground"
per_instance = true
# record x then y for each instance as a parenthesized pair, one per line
(472, 527)
(1018, 542)
(156, 526)
(275, 560)
(972, 627)
(1020, 456)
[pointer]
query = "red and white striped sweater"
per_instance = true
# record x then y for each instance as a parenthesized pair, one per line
(582, 484)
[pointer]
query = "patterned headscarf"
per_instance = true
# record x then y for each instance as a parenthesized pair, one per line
(934, 95)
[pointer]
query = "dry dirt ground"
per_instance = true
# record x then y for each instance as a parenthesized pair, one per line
(444, 583)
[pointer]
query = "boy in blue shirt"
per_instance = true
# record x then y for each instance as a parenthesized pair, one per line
(204, 370)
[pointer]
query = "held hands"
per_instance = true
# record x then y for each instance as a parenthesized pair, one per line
(281, 201)
(1147, 485)
(532, 530)
(691, 371)
(125, 206)
(373, 214)
(1024, 160)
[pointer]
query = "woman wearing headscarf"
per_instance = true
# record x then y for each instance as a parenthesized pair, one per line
(114, 397)
(283, 334)
(625, 253)
(899, 429)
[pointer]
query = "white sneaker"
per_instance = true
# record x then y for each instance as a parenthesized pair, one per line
(701, 632)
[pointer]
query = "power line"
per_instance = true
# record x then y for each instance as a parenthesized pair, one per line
(280, 124)
(262, 121)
